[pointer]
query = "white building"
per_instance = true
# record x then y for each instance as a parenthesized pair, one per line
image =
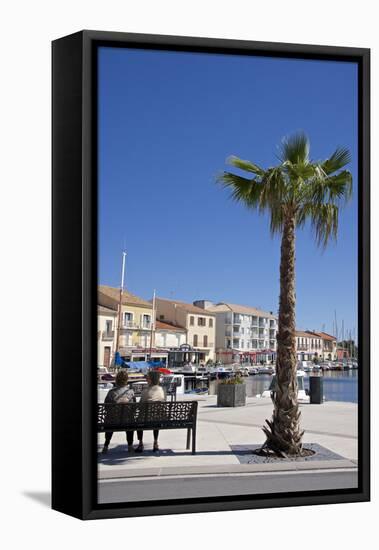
(106, 324)
(169, 336)
(243, 333)
(315, 345)
(308, 345)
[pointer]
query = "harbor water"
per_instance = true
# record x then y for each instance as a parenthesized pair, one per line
(338, 385)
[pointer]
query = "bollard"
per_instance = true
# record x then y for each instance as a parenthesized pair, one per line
(316, 390)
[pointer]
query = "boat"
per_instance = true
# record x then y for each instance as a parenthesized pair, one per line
(302, 395)
(305, 366)
(177, 379)
(242, 371)
(253, 370)
(197, 391)
(266, 370)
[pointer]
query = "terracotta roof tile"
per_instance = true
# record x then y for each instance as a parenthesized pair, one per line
(246, 310)
(190, 308)
(128, 297)
(159, 325)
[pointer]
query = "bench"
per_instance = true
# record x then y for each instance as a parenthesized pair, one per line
(152, 415)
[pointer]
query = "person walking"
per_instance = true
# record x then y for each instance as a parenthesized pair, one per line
(121, 393)
(154, 392)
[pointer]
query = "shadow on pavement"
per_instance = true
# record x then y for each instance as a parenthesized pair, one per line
(119, 455)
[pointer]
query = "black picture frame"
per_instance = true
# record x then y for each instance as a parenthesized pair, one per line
(74, 273)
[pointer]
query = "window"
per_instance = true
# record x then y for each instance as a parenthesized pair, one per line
(211, 322)
(128, 319)
(195, 340)
(108, 326)
(201, 321)
(192, 320)
(146, 321)
(161, 317)
(205, 341)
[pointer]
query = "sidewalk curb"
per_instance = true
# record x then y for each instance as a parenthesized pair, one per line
(227, 469)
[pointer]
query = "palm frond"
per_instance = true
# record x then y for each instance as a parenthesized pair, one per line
(332, 189)
(312, 191)
(245, 165)
(295, 149)
(242, 189)
(339, 159)
(324, 221)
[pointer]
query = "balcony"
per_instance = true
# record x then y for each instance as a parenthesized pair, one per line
(237, 320)
(129, 324)
(107, 335)
(302, 347)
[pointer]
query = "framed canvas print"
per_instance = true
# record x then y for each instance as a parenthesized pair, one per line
(210, 275)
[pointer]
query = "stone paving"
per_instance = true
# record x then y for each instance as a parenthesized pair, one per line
(222, 431)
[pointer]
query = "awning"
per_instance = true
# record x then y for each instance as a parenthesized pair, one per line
(143, 366)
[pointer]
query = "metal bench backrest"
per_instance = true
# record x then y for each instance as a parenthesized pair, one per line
(155, 414)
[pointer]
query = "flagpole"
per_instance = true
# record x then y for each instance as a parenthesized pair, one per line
(120, 303)
(152, 326)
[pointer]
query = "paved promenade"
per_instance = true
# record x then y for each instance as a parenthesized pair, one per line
(220, 431)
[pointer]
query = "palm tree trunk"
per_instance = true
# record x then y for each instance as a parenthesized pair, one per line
(283, 432)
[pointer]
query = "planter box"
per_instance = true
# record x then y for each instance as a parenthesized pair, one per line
(231, 395)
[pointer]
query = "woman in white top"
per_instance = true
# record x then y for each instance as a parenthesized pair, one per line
(154, 392)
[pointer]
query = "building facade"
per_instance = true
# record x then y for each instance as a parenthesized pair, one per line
(135, 331)
(106, 323)
(329, 346)
(308, 345)
(312, 345)
(243, 333)
(199, 325)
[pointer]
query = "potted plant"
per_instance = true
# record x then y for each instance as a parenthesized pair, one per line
(231, 393)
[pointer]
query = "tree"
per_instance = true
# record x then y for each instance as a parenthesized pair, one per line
(295, 191)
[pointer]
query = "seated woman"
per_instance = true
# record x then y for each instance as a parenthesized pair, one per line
(119, 394)
(154, 392)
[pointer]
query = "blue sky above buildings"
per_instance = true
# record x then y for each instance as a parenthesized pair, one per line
(167, 122)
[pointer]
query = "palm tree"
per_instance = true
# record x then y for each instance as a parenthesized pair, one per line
(296, 191)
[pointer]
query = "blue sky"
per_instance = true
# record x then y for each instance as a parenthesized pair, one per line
(167, 122)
